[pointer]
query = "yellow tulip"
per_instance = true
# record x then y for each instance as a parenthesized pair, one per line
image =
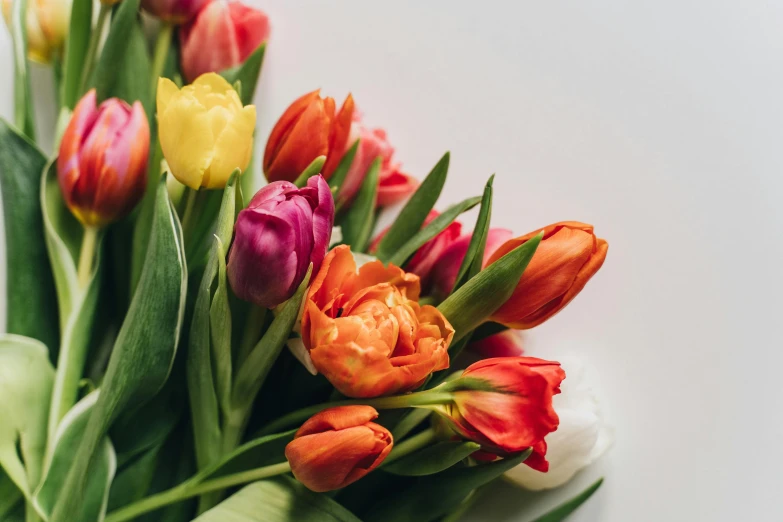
(47, 24)
(205, 132)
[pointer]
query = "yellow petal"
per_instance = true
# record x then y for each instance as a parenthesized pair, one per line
(166, 91)
(186, 139)
(233, 147)
(214, 82)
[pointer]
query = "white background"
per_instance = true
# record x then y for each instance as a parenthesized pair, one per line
(658, 122)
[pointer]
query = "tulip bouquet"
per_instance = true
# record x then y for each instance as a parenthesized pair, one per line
(182, 346)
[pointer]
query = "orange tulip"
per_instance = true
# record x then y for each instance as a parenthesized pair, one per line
(365, 330)
(309, 128)
(338, 446)
(567, 257)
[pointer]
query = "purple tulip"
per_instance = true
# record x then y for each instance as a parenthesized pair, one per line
(277, 236)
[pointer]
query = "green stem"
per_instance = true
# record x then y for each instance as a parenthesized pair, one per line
(410, 445)
(253, 326)
(86, 256)
(92, 48)
(411, 400)
(187, 214)
(187, 490)
(160, 54)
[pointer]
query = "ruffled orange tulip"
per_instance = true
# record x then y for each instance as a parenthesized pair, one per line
(338, 446)
(366, 331)
(567, 257)
(309, 128)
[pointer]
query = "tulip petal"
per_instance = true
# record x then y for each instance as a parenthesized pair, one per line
(338, 139)
(186, 139)
(284, 126)
(233, 147)
(166, 91)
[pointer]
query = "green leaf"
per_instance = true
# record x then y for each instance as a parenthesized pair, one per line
(472, 304)
(359, 219)
(338, 176)
(474, 257)
(278, 500)
(145, 347)
(435, 495)
(16, 513)
(26, 377)
(257, 453)
(101, 472)
(435, 227)
(247, 74)
(10, 496)
(311, 170)
(64, 235)
(414, 213)
(432, 459)
(32, 305)
(76, 45)
(204, 407)
(23, 102)
(561, 512)
(220, 331)
(122, 46)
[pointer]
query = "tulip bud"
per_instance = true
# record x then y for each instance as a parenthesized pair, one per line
(581, 437)
(278, 235)
(47, 23)
(102, 166)
(393, 184)
(567, 257)
(337, 447)
(366, 331)
(429, 253)
(446, 269)
(513, 412)
(174, 11)
(222, 35)
(204, 131)
(307, 129)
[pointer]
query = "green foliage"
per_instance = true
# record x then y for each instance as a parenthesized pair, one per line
(76, 45)
(357, 224)
(432, 459)
(562, 512)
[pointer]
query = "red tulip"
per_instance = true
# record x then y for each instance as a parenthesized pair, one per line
(517, 415)
(446, 269)
(507, 343)
(337, 447)
(222, 35)
(310, 127)
(567, 257)
(393, 184)
(174, 11)
(102, 166)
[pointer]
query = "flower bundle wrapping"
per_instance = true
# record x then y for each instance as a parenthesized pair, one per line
(183, 345)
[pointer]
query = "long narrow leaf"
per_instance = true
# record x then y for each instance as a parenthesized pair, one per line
(471, 263)
(23, 102)
(415, 211)
(564, 510)
(358, 221)
(435, 227)
(75, 50)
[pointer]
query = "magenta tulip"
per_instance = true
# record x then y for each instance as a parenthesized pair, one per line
(174, 11)
(277, 236)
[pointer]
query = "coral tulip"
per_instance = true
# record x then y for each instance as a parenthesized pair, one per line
(102, 166)
(365, 330)
(446, 269)
(205, 133)
(337, 447)
(567, 257)
(47, 23)
(222, 35)
(174, 11)
(424, 259)
(309, 127)
(284, 227)
(516, 415)
(393, 184)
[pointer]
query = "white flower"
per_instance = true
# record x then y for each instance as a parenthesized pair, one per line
(581, 437)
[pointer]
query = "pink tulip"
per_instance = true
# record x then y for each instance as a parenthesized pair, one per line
(102, 165)
(393, 184)
(277, 236)
(174, 11)
(447, 265)
(223, 35)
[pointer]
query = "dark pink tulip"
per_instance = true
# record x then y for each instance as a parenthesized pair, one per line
(507, 343)
(277, 236)
(174, 11)
(446, 268)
